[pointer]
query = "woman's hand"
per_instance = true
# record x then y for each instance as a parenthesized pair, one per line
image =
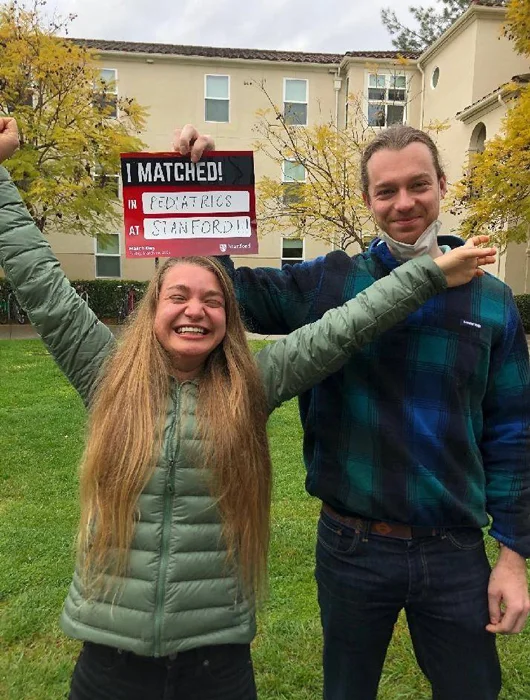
(461, 264)
(9, 140)
(188, 141)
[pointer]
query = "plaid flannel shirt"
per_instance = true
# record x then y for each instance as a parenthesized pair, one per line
(429, 424)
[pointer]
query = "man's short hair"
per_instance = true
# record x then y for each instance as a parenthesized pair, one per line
(396, 138)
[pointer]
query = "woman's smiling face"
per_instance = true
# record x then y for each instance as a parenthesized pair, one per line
(190, 319)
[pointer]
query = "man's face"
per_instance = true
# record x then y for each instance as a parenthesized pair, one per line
(404, 191)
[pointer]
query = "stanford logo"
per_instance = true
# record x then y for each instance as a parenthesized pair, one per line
(222, 247)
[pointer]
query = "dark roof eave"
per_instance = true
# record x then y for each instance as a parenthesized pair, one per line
(237, 53)
(412, 55)
(208, 51)
(522, 79)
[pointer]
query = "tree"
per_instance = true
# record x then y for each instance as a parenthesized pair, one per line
(70, 132)
(494, 194)
(517, 26)
(320, 195)
(429, 24)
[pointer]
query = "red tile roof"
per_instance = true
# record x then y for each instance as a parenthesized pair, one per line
(384, 54)
(209, 51)
(522, 79)
(489, 3)
(247, 54)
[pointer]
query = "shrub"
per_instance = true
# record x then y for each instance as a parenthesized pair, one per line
(523, 304)
(104, 296)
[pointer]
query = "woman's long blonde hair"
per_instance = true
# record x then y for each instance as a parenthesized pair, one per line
(127, 415)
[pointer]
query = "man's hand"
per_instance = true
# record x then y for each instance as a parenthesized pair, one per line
(461, 264)
(508, 598)
(9, 141)
(188, 141)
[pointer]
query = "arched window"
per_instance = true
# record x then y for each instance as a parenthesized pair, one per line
(476, 145)
(478, 138)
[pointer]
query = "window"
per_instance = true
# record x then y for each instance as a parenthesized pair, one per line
(106, 92)
(367, 237)
(293, 175)
(27, 93)
(292, 251)
(108, 259)
(478, 138)
(435, 77)
(295, 101)
(476, 145)
(217, 98)
(387, 94)
(107, 180)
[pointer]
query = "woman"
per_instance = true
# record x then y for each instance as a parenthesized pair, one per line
(175, 477)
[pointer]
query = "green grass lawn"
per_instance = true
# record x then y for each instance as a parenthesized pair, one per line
(41, 433)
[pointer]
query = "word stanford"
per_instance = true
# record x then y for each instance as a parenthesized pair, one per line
(173, 207)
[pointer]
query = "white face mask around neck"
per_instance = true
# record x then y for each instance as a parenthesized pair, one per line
(427, 243)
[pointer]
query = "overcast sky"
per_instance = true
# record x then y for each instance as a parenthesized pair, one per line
(333, 26)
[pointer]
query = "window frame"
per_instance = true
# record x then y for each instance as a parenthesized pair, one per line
(291, 261)
(217, 99)
(435, 77)
(293, 160)
(114, 92)
(387, 74)
(296, 102)
(97, 255)
(291, 182)
(116, 176)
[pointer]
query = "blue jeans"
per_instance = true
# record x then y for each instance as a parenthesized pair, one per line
(221, 672)
(441, 582)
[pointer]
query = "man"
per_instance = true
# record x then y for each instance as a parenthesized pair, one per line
(411, 446)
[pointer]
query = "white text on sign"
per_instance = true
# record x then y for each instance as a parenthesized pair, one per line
(205, 227)
(195, 202)
(173, 171)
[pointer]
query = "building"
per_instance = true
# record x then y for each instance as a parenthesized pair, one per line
(459, 78)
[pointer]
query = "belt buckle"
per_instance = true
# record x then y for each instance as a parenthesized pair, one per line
(381, 528)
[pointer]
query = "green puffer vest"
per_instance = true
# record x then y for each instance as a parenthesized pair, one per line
(180, 592)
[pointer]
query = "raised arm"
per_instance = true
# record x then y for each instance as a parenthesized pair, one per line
(270, 300)
(70, 330)
(309, 354)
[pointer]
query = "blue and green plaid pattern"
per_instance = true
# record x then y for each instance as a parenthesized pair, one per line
(429, 424)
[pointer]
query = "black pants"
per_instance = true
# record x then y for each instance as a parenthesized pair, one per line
(221, 672)
(441, 582)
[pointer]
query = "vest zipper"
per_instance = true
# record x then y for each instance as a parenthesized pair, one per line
(169, 492)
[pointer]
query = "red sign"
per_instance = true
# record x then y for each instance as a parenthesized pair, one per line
(173, 207)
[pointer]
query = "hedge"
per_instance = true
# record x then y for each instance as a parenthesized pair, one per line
(106, 296)
(523, 304)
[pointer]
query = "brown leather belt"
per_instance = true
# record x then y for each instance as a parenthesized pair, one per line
(379, 527)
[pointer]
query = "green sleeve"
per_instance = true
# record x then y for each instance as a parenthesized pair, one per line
(71, 331)
(306, 356)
